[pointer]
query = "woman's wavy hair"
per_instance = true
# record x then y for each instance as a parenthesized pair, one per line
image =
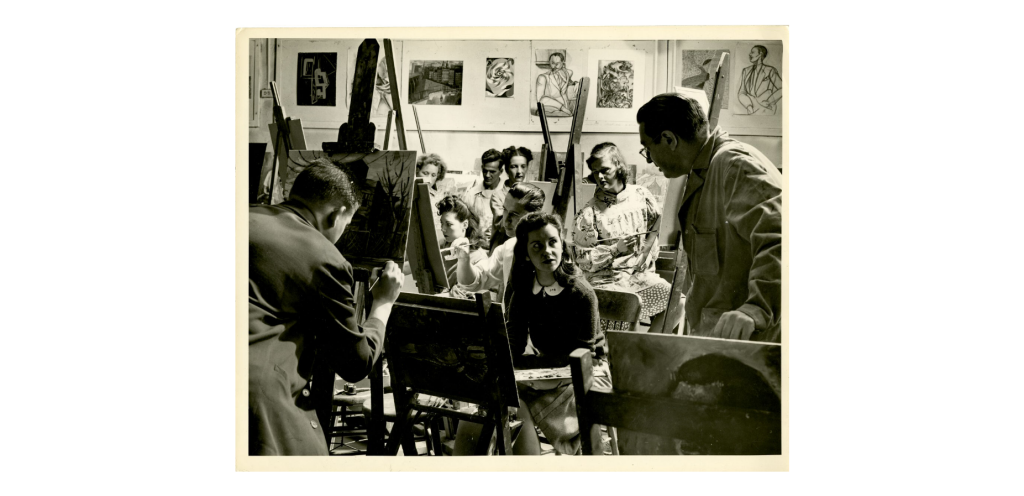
(462, 212)
(512, 151)
(432, 159)
(523, 271)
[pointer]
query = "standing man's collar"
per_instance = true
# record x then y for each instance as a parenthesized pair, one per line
(703, 160)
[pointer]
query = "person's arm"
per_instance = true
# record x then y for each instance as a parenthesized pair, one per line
(754, 209)
(349, 348)
(776, 95)
(591, 256)
(485, 274)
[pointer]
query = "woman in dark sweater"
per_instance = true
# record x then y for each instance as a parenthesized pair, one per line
(556, 311)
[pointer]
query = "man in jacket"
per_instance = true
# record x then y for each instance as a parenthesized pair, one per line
(301, 310)
(731, 218)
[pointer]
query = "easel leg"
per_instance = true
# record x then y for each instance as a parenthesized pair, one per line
(483, 443)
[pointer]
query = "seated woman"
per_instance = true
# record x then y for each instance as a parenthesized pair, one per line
(432, 169)
(557, 311)
(609, 235)
(458, 222)
(516, 161)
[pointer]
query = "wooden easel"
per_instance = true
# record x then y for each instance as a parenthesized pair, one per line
(570, 173)
(455, 349)
(680, 279)
(287, 134)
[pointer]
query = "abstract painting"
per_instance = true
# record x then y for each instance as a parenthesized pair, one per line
(760, 85)
(500, 77)
(435, 82)
(713, 372)
(380, 227)
(615, 84)
(554, 86)
(317, 83)
(698, 67)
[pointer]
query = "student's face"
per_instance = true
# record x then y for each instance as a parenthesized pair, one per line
(544, 247)
(452, 227)
(516, 170)
(428, 172)
(514, 210)
(492, 174)
(604, 176)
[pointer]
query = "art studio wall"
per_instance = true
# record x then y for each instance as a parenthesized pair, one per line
(476, 95)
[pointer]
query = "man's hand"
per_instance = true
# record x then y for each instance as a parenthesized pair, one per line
(387, 287)
(734, 325)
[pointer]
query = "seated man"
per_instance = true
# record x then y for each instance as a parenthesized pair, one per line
(301, 309)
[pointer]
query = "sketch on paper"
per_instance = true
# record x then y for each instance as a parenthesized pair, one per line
(760, 85)
(500, 77)
(435, 82)
(317, 82)
(615, 84)
(381, 103)
(380, 226)
(698, 67)
(554, 88)
(713, 372)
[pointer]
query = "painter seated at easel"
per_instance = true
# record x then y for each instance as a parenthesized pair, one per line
(554, 308)
(609, 234)
(458, 222)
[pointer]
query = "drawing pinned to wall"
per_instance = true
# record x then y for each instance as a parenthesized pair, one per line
(698, 68)
(435, 82)
(500, 77)
(554, 86)
(615, 84)
(760, 85)
(381, 103)
(380, 227)
(317, 81)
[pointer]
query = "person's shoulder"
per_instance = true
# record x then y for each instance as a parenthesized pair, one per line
(582, 287)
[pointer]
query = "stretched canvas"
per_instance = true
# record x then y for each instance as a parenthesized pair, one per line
(698, 70)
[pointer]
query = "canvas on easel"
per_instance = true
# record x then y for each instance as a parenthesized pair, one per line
(380, 227)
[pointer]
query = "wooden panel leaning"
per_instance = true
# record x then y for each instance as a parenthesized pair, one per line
(455, 349)
(683, 395)
(618, 306)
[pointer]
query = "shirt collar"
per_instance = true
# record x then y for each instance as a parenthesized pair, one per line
(703, 160)
(552, 290)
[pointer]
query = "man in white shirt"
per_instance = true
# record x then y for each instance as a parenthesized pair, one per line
(479, 196)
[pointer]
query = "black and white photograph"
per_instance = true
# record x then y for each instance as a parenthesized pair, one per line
(624, 297)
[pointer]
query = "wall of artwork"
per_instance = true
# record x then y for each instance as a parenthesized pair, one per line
(476, 95)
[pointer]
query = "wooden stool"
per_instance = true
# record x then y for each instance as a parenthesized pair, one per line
(344, 402)
(432, 438)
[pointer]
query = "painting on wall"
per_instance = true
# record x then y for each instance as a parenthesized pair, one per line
(317, 83)
(380, 228)
(554, 85)
(500, 77)
(615, 84)
(698, 67)
(435, 82)
(759, 89)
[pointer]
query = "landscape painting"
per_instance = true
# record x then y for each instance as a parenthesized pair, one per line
(435, 82)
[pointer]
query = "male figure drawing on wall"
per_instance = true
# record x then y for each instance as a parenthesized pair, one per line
(555, 88)
(761, 85)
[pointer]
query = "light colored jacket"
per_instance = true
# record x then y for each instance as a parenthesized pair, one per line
(731, 217)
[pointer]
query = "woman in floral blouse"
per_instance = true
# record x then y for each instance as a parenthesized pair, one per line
(610, 231)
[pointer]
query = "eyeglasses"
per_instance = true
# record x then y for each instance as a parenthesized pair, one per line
(645, 153)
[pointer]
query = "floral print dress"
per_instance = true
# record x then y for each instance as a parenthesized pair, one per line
(604, 220)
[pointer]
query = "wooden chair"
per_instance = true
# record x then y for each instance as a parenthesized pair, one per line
(620, 309)
(454, 349)
(657, 394)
